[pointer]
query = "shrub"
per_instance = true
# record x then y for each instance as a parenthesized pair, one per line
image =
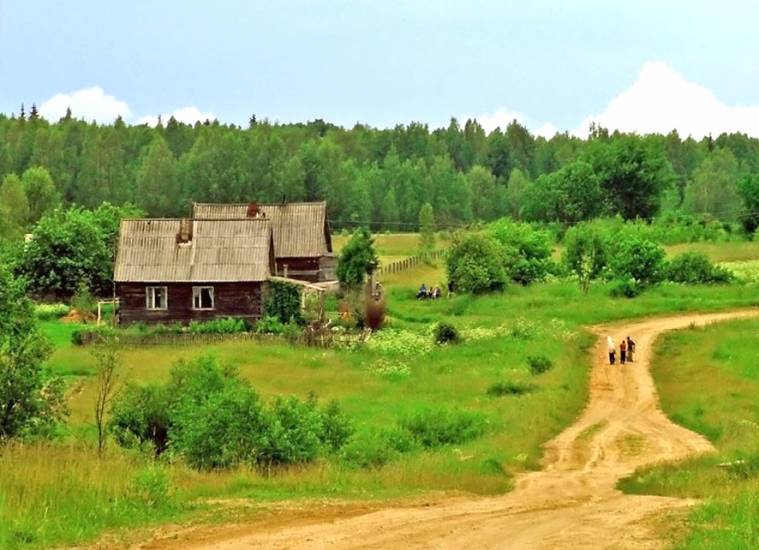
(94, 335)
(368, 450)
(140, 417)
(436, 427)
(151, 486)
(269, 324)
(292, 331)
(227, 325)
(638, 259)
(374, 313)
(538, 364)
(214, 419)
(83, 301)
(475, 264)
(525, 251)
(337, 428)
(446, 334)
(357, 259)
(624, 288)
(695, 268)
(50, 312)
(500, 389)
(375, 448)
(283, 301)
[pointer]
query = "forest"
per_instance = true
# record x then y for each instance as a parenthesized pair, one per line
(380, 178)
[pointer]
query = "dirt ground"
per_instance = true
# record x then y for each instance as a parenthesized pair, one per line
(571, 503)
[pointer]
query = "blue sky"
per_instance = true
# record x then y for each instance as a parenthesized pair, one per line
(556, 63)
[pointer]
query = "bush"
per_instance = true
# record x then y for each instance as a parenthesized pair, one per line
(475, 264)
(357, 259)
(269, 324)
(283, 302)
(446, 334)
(227, 325)
(214, 419)
(337, 428)
(500, 389)
(369, 450)
(375, 448)
(538, 364)
(50, 312)
(624, 288)
(374, 313)
(695, 268)
(437, 427)
(140, 417)
(94, 335)
(152, 487)
(638, 259)
(83, 301)
(526, 252)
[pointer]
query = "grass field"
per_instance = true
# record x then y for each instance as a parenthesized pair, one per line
(40, 507)
(708, 380)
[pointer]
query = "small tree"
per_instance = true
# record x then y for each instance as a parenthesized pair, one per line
(584, 254)
(358, 259)
(107, 366)
(31, 400)
(426, 232)
(639, 260)
(475, 264)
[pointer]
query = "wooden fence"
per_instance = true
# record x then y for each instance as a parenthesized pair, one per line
(408, 263)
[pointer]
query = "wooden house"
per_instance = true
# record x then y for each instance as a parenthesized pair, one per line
(180, 270)
(302, 240)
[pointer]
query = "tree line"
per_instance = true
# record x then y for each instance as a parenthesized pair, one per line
(370, 176)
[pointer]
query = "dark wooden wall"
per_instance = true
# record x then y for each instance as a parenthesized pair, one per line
(240, 300)
(302, 269)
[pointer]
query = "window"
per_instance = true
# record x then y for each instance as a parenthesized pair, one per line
(202, 297)
(156, 297)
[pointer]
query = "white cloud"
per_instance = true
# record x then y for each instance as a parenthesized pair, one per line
(499, 119)
(503, 117)
(87, 103)
(188, 115)
(662, 100)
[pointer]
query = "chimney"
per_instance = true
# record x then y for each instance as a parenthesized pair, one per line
(185, 231)
(253, 210)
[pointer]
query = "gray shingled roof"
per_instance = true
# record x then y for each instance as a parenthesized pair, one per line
(219, 251)
(300, 228)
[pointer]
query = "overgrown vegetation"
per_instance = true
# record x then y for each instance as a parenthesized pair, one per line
(685, 367)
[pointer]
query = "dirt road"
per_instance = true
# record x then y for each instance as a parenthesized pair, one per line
(571, 503)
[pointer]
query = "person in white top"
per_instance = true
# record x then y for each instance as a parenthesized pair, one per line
(612, 349)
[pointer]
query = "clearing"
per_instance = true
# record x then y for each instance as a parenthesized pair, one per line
(572, 502)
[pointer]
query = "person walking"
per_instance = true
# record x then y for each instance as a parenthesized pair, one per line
(630, 349)
(622, 351)
(612, 349)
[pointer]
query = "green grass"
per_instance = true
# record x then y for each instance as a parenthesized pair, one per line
(500, 333)
(708, 381)
(738, 251)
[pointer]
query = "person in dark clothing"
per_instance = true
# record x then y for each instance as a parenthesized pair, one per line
(630, 349)
(622, 351)
(422, 294)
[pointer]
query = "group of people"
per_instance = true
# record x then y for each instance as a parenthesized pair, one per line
(432, 293)
(626, 350)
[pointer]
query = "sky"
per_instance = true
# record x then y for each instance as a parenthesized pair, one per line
(645, 66)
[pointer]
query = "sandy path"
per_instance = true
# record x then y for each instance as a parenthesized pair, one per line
(571, 503)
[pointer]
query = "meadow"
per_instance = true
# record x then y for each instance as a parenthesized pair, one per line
(61, 493)
(708, 381)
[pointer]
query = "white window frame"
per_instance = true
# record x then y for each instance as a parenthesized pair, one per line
(196, 295)
(150, 298)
